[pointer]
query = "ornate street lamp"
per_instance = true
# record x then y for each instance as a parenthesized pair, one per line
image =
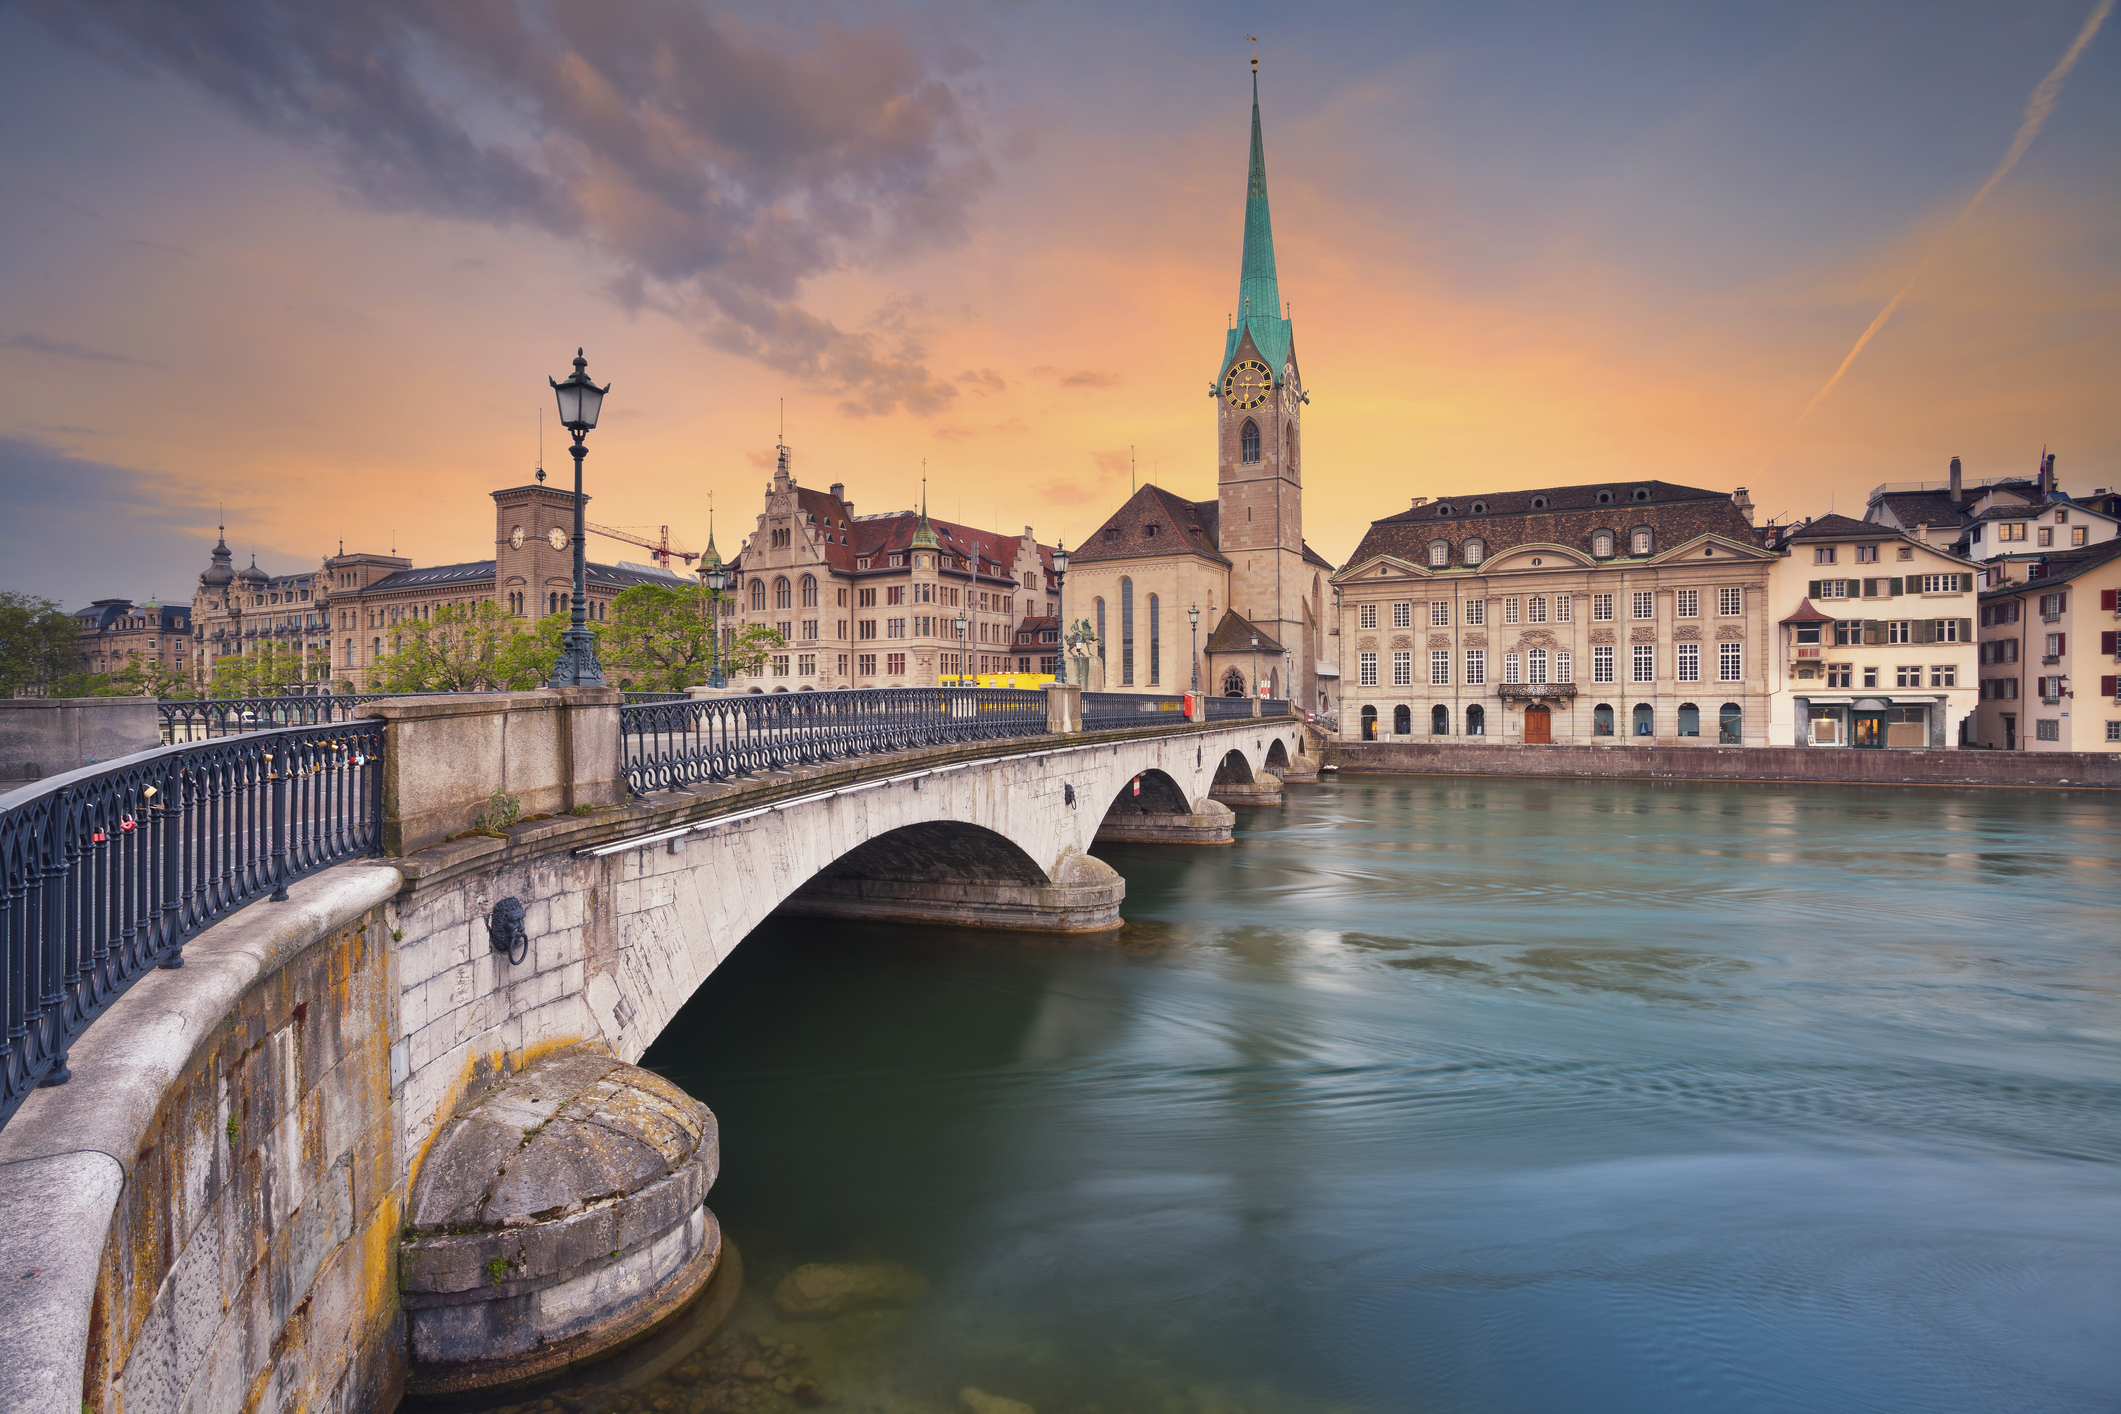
(961, 674)
(580, 402)
(1193, 618)
(716, 578)
(1255, 662)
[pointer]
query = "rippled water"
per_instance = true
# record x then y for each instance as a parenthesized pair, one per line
(1465, 1095)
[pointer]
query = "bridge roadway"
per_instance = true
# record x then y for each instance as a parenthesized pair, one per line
(229, 1204)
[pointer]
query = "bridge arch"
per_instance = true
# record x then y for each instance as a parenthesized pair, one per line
(1277, 756)
(1234, 770)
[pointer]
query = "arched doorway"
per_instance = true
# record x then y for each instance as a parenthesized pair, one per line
(1402, 720)
(1602, 719)
(1369, 724)
(1730, 725)
(1233, 683)
(1538, 725)
(1645, 720)
(1689, 719)
(1439, 720)
(1476, 720)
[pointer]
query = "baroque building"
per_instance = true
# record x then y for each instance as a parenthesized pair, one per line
(113, 635)
(1625, 613)
(1239, 560)
(893, 599)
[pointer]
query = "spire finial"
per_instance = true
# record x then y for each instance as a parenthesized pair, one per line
(1255, 54)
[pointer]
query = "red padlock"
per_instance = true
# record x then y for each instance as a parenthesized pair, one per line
(126, 825)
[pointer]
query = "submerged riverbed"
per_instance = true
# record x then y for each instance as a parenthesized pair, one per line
(1451, 1095)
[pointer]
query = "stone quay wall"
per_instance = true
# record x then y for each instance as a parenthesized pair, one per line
(49, 736)
(1835, 766)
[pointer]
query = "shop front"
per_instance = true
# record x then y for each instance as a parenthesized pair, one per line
(1872, 723)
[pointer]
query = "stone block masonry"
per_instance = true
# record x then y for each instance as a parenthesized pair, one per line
(1826, 765)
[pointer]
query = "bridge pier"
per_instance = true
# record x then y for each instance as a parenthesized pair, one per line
(1208, 822)
(1079, 895)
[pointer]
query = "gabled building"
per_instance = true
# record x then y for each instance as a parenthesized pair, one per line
(2050, 654)
(1620, 613)
(2005, 518)
(113, 634)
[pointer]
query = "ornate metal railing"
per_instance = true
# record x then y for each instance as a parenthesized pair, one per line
(205, 718)
(1223, 709)
(1273, 706)
(639, 697)
(1536, 691)
(1110, 711)
(670, 744)
(106, 871)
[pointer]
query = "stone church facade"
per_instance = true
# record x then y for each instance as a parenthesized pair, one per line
(1239, 559)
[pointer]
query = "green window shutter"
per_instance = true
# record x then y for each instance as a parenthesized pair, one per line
(1925, 631)
(1966, 630)
(1874, 631)
(1870, 589)
(1966, 584)
(1892, 586)
(1813, 592)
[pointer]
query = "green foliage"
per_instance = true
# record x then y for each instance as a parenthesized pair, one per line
(496, 1268)
(661, 638)
(460, 649)
(502, 810)
(37, 645)
(144, 677)
(256, 674)
(525, 660)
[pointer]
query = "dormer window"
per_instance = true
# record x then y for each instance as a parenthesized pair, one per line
(1640, 540)
(861, 562)
(1642, 493)
(1439, 554)
(1601, 544)
(898, 562)
(1443, 511)
(1476, 550)
(1480, 508)
(1605, 498)
(1111, 534)
(1150, 531)
(1540, 503)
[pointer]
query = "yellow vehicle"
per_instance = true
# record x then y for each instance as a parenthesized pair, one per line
(1022, 680)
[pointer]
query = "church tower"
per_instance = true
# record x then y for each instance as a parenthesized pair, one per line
(1259, 403)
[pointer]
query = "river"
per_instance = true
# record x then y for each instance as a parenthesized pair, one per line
(1457, 1095)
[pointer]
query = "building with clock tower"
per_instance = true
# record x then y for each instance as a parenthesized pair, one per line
(1239, 558)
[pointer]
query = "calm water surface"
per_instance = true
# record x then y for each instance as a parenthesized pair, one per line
(1465, 1095)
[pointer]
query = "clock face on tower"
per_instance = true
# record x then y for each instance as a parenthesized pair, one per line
(515, 538)
(558, 537)
(1247, 383)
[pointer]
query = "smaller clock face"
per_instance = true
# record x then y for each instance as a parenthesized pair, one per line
(1247, 383)
(558, 537)
(515, 538)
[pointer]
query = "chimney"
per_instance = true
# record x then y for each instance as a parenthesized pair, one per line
(2047, 477)
(1744, 503)
(1419, 502)
(1922, 533)
(839, 491)
(1956, 497)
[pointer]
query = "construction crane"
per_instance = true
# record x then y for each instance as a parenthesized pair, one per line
(660, 551)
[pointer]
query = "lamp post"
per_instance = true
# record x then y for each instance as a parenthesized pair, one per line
(580, 401)
(1060, 604)
(961, 647)
(1193, 618)
(716, 577)
(1255, 665)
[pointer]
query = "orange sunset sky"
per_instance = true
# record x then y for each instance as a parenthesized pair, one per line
(315, 263)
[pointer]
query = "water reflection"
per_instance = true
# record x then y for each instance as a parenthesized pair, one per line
(1456, 1096)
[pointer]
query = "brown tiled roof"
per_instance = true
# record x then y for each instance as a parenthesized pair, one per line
(1842, 528)
(1153, 522)
(1234, 635)
(1926, 508)
(2061, 566)
(1806, 614)
(1557, 515)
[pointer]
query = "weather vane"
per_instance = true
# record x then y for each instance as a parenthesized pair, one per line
(1255, 51)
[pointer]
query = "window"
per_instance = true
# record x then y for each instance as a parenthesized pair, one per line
(1248, 442)
(1822, 554)
(1866, 554)
(865, 664)
(1156, 645)
(1848, 633)
(2010, 530)
(1645, 604)
(1601, 544)
(1944, 675)
(1402, 720)
(1689, 604)
(1730, 662)
(1839, 675)
(1535, 609)
(2076, 537)
(1439, 553)
(1601, 665)
(2053, 603)
(809, 592)
(781, 593)
(1368, 669)
(1905, 676)
(1509, 611)
(1730, 601)
(1098, 606)
(1898, 631)
(1564, 608)
(1402, 616)
(2054, 645)
(1440, 668)
(1476, 667)
(1946, 631)
(1439, 613)
(895, 594)
(894, 628)
(810, 628)
(806, 665)
(1645, 662)
(2047, 729)
(758, 596)
(1476, 613)
(1639, 540)
(1833, 589)
(1475, 551)
(1940, 584)
(865, 629)
(1366, 616)
(1870, 677)
(1440, 720)
(1402, 669)
(1126, 624)
(2113, 731)
(1512, 668)
(2046, 535)
(1689, 663)
(895, 665)
(1601, 608)
(780, 665)
(1535, 667)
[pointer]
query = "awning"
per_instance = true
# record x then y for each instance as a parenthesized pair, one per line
(1328, 670)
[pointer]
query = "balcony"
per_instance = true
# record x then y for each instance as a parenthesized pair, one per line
(1537, 691)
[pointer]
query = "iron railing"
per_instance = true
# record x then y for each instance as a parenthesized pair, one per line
(635, 698)
(1223, 709)
(106, 871)
(206, 718)
(670, 744)
(1273, 706)
(1110, 711)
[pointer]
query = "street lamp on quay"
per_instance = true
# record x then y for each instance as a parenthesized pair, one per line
(580, 402)
(716, 578)
(961, 646)
(1193, 618)
(1255, 666)
(1060, 606)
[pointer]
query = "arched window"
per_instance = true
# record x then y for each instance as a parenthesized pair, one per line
(1689, 719)
(758, 594)
(1234, 686)
(1730, 724)
(1645, 720)
(1439, 554)
(1476, 720)
(1601, 544)
(1402, 720)
(1288, 443)
(781, 592)
(1369, 723)
(809, 592)
(1439, 720)
(1602, 719)
(1248, 442)
(1640, 540)
(1156, 656)
(1476, 550)
(1126, 632)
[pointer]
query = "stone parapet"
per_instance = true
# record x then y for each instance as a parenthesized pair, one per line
(49, 736)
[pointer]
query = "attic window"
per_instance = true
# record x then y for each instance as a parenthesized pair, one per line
(861, 562)
(1442, 511)
(1111, 534)
(1480, 508)
(1539, 503)
(1605, 498)
(1642, 493)
(1150, 530)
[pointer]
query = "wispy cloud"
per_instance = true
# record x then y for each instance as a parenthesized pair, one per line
(722, 164)
(61, 348)
(1077, 378)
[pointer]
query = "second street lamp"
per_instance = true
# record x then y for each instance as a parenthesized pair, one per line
(716, 577)
(1193, 618)
(580, 402)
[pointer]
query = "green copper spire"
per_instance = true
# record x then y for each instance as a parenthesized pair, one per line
(924, 538)
(1259, 307)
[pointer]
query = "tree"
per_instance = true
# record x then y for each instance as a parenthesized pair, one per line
(525, 660)
(459, 649)
(263, 671)
(146, 677)
(39, 645)
(662, 637)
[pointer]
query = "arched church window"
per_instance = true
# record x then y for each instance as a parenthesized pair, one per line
(1156, 656)
(1234, 684)
(1288, 443)
(780, 593)
(758, 594)
(809, 592)
(1126, 632)
(1248, 442)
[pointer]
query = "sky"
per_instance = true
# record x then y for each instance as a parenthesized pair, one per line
(308, 267)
